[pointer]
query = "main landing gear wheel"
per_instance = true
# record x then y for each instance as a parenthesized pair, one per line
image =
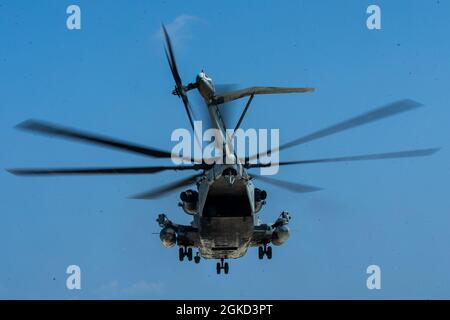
(269, 252)
(265, 251)
(184, 252)
(181, 254)
(226, 268)
(260, 253)
(222, 266)
(218, 268)
(197, 258)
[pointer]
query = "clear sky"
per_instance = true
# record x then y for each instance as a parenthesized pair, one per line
(112, 77)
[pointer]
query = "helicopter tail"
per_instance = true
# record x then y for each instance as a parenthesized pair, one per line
(230, 96)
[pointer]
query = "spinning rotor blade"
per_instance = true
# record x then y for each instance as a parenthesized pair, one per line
(291, 186)
(176, 76)
(379, 156)
(158, 192)
(372, 116)
(95, 171)
(51, 130)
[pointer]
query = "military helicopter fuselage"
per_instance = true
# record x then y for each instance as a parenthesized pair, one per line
(225, 205)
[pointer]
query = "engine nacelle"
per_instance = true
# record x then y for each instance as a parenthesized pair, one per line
(189, 200)
(168, 237)
(280, 235)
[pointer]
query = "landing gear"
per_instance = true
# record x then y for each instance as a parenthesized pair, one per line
(265, 251)
(260, 253)
(269, 252)
(197, 258)
(222, 266)
(226, 268)
(218, 268)
(184, 252)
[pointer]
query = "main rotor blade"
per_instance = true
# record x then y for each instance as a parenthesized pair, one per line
(176, 76)
(291, 186)
(372, 116)
(158, 192)
(50, 129)
(94, 171)
(379, 156)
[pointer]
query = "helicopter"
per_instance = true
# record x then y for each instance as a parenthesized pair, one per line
(225, 205)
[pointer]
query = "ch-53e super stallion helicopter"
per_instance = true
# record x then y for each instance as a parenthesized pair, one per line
(225, 207)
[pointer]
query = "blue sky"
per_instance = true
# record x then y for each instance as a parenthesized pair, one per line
(111, 77)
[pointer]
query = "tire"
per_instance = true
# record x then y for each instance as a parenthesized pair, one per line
(197, 259)
(226, 268)
(181, 254)
(269, 253)
(189, 254)
(218, 268)
(260, 253)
